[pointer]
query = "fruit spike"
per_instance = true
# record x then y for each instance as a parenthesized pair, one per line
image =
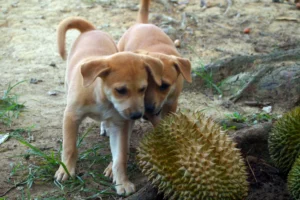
(284, 140)
(293, 180)
(188, 156)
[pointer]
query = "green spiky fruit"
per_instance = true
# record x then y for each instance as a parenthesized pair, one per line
(284, 140)
(190, 157)
(294, 180)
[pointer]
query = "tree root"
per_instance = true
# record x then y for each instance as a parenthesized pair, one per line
(235, 65)
(262, 71)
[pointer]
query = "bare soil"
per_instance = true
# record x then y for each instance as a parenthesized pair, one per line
(28, 51)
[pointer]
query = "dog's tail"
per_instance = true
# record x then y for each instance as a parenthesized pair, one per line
(70, 23)
(143, 11)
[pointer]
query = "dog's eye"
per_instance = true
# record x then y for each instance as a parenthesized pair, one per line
(142, 90)
(164, 86)
(121, 91)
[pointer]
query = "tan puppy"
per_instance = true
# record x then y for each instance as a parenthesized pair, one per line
(104, 85)
(150, 40)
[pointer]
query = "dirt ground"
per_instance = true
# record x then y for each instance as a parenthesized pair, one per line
(28, 51)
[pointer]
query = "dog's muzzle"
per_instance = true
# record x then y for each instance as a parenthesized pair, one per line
(136, 115)
(150, 108)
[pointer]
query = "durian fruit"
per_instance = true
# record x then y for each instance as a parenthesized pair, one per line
(189, 157)
(284, 140)
(294, 180)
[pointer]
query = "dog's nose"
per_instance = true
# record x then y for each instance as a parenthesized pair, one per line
(149, 108)
(136, 115)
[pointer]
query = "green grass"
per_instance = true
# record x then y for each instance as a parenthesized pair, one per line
(37, 166)
(9, 106)
(207, 77)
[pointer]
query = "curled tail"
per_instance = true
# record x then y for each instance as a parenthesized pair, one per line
(70, 23)
(143, 11)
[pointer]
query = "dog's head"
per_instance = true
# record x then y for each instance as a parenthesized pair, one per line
(174, 67)
(124, 80)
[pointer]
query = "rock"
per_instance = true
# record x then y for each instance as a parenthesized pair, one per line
(52, 93)
(267, 109)
(170, 31)
(35, 81)
(20, 188)
(177, 43)
(14, 5)
(52, 64)
(4, 10)
(164, 19)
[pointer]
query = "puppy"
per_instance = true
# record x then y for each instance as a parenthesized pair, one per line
(148, 39)
(106, 85)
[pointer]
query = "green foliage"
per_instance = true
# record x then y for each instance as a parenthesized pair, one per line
(236, 117)
(284, 140)
(261, 117)
(252, 118)
(9, 106)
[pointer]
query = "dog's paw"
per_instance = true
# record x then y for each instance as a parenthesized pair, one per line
(108, 171)
(61, 175)
(125, 188)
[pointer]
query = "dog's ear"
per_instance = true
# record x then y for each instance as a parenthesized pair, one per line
(155, 68)
(184, 67)
(92, 69)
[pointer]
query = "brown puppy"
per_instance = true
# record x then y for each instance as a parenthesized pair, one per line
(150, 40)
(105, 85)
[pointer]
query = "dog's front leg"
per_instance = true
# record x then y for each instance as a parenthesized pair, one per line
(119, 144)
(69, 152)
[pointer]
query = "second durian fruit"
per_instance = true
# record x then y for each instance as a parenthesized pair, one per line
(189, 157)
(284, 140)
(293, 180)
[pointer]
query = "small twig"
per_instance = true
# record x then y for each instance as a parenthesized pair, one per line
(287, 19)
(256, 103)
(229, 3)
(266, 164)
(183, 21)
(251, 170)
(256, 77)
